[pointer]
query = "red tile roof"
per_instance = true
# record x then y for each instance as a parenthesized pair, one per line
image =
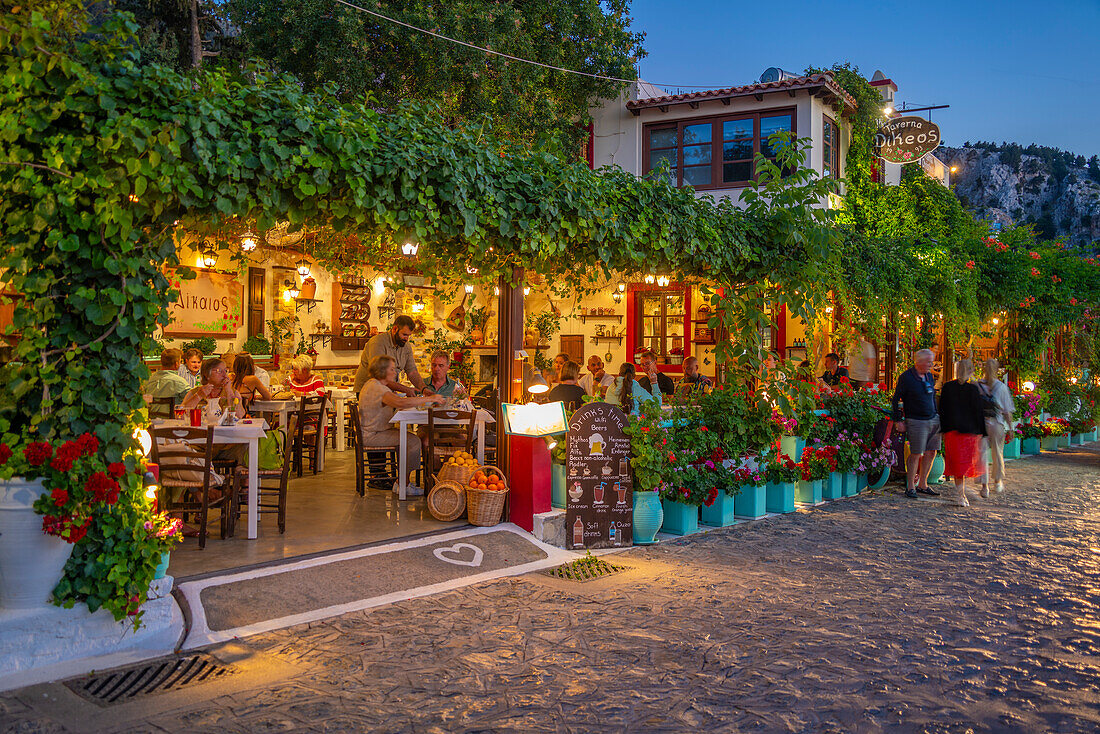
(823, 83)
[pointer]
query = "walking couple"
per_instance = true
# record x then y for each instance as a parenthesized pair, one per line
(970, 417)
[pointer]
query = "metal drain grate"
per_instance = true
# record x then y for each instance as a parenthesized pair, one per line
(159, 676)
(584, 569)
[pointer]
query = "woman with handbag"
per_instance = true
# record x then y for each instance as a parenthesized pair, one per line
(962, 423)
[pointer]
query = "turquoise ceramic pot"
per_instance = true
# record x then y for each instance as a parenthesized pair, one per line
(648, 516)
(680, 519)
(850, 484)
(1012, 449)
(938, 465)
(861, 482)
(780, 497)
(751, 501)
(720, 514)
(1030, 446)
(792, 446)
(1076, 439)
(809, 491)
(880, 480)
(162, 567)
(1063, 440)
(1049, 443)
(834, 486)
(557, 486)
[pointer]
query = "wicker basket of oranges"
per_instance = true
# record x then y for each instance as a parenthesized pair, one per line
(459, 467)
(486, 493)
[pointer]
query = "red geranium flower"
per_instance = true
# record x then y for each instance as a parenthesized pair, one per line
(59, 497)
(1034, 255)
(1072, 302)
(1035, 271)
(37, 453)
(100, 486)
(5, 453)
(970, 264)
(88, 444)
(116, 469)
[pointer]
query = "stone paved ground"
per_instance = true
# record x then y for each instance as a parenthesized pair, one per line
(877, 612)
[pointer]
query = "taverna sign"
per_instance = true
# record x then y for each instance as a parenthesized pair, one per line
(906, 139)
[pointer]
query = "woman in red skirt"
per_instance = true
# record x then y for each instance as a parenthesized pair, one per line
(962, 421)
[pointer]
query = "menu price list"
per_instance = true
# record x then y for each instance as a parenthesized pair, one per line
(599, 498)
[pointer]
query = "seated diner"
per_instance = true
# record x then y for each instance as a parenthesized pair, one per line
(440, 382)
(166, 382)
(245, 381)
(628, 394)
(217, 388)
(378, 403)
(302, 381)
(567, 390)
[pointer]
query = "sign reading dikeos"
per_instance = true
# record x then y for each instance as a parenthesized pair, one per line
(599, 509)
(906, 139)
(209, 304)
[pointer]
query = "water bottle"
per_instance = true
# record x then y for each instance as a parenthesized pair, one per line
(612, 536)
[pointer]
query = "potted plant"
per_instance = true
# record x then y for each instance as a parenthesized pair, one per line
(676, 355)
(205, 344)
(1031, 435)
(751, 499)
(542, 326)
(478, 317)
(646, 463)
(782, 474)
(815, 469)
(163, 531)
(258, 346)
(63, 484)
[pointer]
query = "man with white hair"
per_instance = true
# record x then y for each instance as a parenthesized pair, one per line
(916, 390)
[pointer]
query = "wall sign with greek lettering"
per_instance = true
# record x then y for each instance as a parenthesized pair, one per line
(599, 509)
(210, 304)
(907, 139)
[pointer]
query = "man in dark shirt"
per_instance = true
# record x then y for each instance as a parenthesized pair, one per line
(916, 390)
(833, 370)
(648, 364)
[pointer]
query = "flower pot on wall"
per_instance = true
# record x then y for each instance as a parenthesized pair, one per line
(792, 446)
(861, 482)
(1050, 443)
(834, 486)
(680, 519)
(31, 562)
(1030, 446)
(1012, 449)
(780, 497)
(1063, 440)
(751, 501)
(809, 491)
(648, 516)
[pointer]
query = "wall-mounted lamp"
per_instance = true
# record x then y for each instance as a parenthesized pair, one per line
(468, 288)
(662, 280)
(248, 241)
(1029, 386)
(303, 268)
(209, 256)
(290, 289)
(621, 287)
(617, 297)
(409, 249)
(417, 304)
(887, 110)
(496, 290)
(471, 270)
(526, 290)
(954, 168)
(650, 278)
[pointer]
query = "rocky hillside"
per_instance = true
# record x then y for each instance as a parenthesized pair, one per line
(1056, 191)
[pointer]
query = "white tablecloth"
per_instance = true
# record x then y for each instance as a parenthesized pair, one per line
(419, 417)
(248, 431)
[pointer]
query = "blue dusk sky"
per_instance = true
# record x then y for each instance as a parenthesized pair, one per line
(1011, 71)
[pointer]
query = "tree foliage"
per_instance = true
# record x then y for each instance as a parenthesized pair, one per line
(361, 57)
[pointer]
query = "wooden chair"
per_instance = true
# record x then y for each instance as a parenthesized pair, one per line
(174, 451)
(376, 466)
(272, 483)
(447, 440)
(162, 407)
(310, 437)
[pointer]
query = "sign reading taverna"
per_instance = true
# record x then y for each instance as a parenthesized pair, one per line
(906, 139)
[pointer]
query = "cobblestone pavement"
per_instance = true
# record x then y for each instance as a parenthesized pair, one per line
(876, 612)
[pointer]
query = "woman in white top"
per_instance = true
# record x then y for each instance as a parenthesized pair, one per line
(996, 425)
(628, 394)
(377, 404)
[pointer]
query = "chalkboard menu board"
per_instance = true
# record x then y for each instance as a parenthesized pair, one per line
(599, 508)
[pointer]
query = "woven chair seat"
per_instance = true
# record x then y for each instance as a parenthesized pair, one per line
(180, 483)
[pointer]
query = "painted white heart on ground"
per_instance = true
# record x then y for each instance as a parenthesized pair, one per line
(444, 554)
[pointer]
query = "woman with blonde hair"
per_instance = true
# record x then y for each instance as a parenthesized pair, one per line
(302, 381)
(962, 422)
(998, 407)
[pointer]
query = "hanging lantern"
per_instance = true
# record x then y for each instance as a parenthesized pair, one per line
(417, 304)
(468, 288)
(617, 297)
(662, 280)
(409, 249)
(209, 257)
(248, 241)
(650, 278)
(621, 286)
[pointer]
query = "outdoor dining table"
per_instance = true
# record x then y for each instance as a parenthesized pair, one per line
(339, 398)
(248, 431)
(419, 417)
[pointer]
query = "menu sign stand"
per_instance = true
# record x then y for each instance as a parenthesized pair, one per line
(599, 509)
